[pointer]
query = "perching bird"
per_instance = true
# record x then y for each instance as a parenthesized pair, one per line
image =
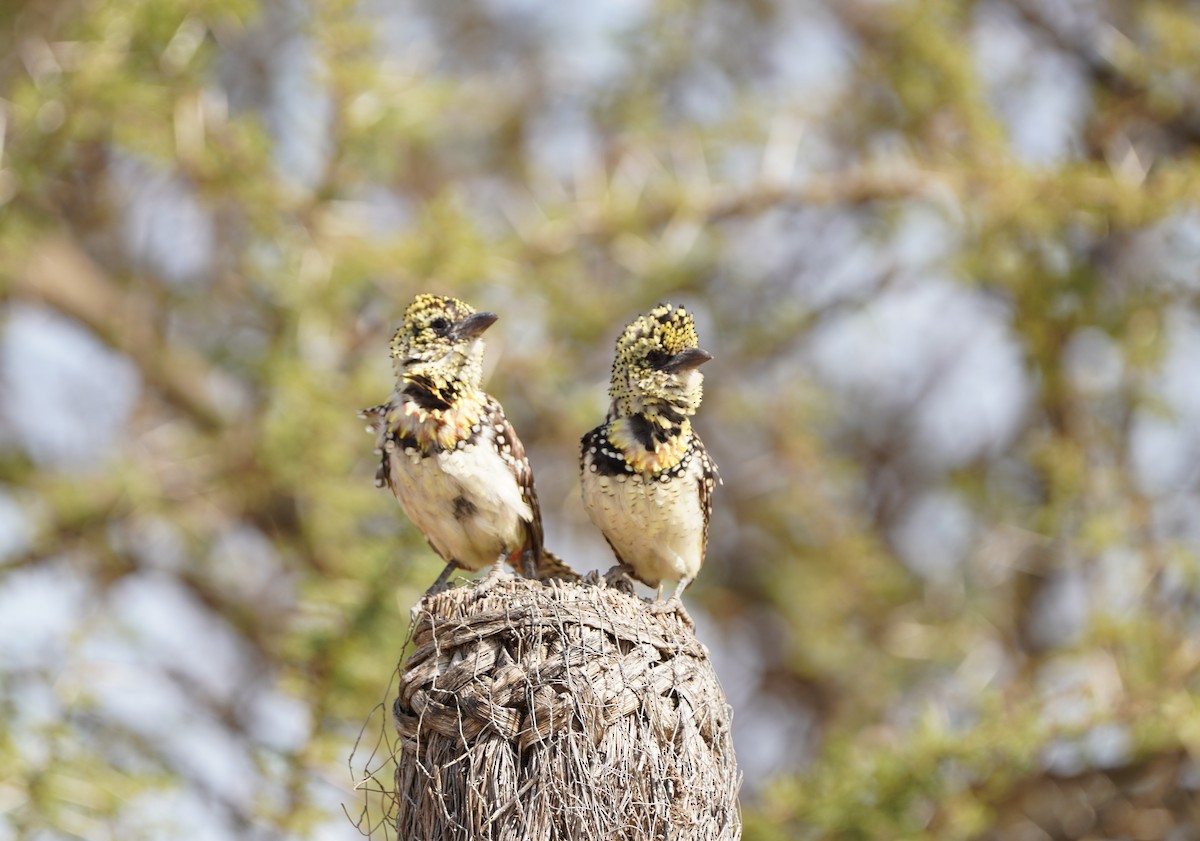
(647, 479)
(449, 454)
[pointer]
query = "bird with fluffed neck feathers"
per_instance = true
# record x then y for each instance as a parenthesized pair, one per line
(448, 452)
(646, 477)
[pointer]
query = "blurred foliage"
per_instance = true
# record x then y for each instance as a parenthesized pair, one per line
(240, 200)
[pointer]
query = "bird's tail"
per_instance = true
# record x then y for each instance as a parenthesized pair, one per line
(550, 565)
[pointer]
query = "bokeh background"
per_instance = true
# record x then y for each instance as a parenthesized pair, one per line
(946, 256)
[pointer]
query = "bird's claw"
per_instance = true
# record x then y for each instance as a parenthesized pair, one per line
(497, 574)
(443, 581)
(673, 605)
(618, 579)
(436, 588)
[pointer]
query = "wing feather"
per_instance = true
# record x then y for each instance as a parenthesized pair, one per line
(709, 477)
(512, 451)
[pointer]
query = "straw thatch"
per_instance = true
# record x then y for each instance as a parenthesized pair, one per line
(533, 711)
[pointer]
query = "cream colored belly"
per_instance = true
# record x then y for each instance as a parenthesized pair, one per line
(656, 528)
(466, 502)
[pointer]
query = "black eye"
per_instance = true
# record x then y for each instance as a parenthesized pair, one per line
(440, 326)
(657, 358)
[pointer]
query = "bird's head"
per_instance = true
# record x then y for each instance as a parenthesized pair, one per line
(440, 341)
(656, 369)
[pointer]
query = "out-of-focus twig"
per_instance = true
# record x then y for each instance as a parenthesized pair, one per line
(713, 204)
(857, 186)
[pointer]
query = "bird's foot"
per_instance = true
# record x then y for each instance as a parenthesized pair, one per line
(497, 574)
(619, 579)
(443, 581)
(436, 589)
(673, 605)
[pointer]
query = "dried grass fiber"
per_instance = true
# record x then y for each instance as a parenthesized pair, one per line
(560, 711)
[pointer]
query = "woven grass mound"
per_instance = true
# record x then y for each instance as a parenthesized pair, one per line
(538, 711)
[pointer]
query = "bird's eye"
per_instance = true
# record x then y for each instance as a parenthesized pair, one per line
(657, 358)
(440, 326)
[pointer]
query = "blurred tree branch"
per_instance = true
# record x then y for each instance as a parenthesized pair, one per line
(711, 204)
(58, 274)
(1128, 81)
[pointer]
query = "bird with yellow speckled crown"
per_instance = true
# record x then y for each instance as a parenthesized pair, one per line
(450, 455)
(647, 479)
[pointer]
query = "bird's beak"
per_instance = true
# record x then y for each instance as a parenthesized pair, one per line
(474, 325)
(687, 359)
